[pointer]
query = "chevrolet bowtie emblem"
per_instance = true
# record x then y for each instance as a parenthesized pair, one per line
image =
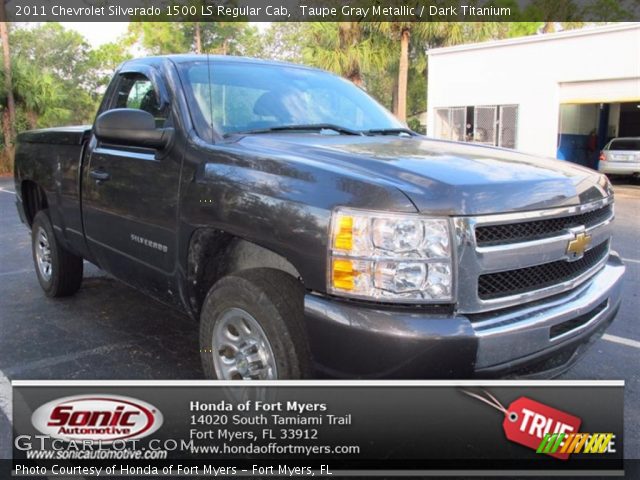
(578, 245)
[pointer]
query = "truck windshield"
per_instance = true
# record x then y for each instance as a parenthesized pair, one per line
(249, 97)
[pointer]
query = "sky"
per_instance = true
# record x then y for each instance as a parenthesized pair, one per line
(98, 33)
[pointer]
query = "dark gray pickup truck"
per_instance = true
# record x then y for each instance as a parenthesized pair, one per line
(312, 234)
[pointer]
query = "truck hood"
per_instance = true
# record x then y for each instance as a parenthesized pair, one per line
(447, 178)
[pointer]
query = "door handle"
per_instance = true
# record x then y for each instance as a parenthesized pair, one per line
(99, 176)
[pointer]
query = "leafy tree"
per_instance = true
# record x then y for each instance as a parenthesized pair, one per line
(417, 88)
(61, 52)
(282, 41)
(161, 38)
(56, 79)
(61, 56)
(344, 48)
(39, 93)
(101, 63)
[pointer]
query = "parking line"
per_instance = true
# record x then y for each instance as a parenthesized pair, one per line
(67, 357)
(630, 260)
(5, 396)
(6, 409)
(16, 272)
(7, 191)
(621, 340)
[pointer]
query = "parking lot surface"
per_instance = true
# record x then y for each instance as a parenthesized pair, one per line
(110, 331)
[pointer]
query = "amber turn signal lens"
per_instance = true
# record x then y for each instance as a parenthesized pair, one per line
(344, 234)
(342, 274)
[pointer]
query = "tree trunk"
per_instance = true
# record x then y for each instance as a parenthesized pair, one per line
(7, 154)
(394, 96)
(32, 119)
(198, 38)
(403, 74)
(8, 83)
(343, 35)
(549, 27)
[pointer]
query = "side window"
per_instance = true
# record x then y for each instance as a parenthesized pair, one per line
(136, 91)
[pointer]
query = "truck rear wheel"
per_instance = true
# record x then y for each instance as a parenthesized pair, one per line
(59, 271)
(251, 328)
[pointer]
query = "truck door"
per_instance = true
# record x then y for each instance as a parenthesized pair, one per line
(130, 194)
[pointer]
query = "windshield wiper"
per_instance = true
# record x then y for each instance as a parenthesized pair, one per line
(389, 131)
(309, 127)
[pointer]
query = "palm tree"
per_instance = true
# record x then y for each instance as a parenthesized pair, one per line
(37, 92)
(403, 72)
(402, 32)
(343, 48)
(427, 34)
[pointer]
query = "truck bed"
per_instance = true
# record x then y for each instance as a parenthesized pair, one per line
(56, 136)
(52, 158)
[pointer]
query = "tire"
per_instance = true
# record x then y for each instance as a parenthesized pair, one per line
(243, 308)
(59, 271)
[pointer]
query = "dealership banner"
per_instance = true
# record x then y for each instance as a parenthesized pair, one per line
(321, 11)
(320, 428)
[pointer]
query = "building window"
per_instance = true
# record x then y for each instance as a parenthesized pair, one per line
(495, 125)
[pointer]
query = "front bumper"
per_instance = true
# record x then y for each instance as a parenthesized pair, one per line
(353, 340)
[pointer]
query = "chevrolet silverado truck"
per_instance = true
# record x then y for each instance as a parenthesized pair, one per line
(311, 234)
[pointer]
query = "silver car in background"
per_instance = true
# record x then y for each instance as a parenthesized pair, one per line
(621, 156)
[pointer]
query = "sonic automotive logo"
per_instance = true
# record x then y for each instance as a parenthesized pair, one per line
(103, 418)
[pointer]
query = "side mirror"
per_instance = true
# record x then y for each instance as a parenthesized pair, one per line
(130, 126)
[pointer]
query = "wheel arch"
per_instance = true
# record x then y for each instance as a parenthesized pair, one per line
(34, 199)
(214, 254)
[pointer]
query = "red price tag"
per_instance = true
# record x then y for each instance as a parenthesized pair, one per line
(527, 421)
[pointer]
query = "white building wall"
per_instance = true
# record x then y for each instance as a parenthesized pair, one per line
(535, 73)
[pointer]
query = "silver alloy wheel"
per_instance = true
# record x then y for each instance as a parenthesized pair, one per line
(43, 254)
(240, 348)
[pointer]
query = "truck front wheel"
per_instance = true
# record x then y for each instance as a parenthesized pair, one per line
(59, 271)
(251, 328)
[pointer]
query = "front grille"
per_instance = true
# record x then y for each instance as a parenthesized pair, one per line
(513, 282)
(534, 230)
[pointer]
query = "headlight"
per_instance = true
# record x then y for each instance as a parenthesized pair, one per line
(390, 257)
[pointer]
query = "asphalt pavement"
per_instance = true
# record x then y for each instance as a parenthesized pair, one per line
(110, 331)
